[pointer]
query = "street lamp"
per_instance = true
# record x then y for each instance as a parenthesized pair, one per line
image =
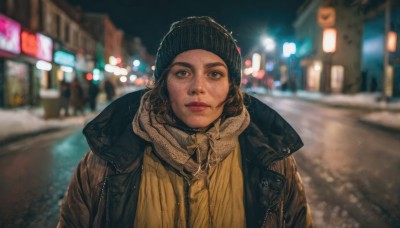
(329, 47)
(289, 49)
(268, 56)
(269, 44)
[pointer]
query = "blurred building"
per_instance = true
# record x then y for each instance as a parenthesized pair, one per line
(112, 55)
(109, 36)
(353, 58)
(42, 43)
(379, 52)
(140, 60)
(336, 70)
(74, 47)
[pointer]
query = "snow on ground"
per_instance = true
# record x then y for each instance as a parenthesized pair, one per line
(386, 114)
(384, 118)
(23, 121)
(20, 121)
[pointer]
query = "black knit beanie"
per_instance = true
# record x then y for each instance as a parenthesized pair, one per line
(199, 33)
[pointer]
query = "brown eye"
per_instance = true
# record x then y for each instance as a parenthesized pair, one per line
(216, 74)
(182, 73)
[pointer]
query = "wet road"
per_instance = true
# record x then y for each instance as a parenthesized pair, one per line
(349, 170)
(34, 174)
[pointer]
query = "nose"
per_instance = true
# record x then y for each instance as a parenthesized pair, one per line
(197, 84)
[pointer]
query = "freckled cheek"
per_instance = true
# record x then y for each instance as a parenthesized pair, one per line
(173, 93)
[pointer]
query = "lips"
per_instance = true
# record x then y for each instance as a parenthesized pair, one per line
(197, 106)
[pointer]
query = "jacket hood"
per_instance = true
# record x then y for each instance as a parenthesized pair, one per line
(111, 137)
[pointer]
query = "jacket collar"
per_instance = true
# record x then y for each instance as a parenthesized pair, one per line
(269, 136)
(110, 134)
(111, 137)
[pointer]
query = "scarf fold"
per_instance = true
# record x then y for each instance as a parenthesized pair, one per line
(191, 154)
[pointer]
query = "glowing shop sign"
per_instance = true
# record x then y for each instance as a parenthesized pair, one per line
(9, 35)
(37, 45)
(45, 50)
(29, 43)
(64, 58)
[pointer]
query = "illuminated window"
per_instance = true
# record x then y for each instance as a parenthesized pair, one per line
(329, 40)
(391, 41)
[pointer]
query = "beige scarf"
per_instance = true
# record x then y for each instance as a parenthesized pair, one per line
(189, 154)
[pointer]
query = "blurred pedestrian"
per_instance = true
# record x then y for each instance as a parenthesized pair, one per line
(192, 151)
(65, 94)
(77, 97)
(269, 82)
(93, 92)
(373, 85)
(110, 90)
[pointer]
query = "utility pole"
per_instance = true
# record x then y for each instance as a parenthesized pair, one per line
(386, 51)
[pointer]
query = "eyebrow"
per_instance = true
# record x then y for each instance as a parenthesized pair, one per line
(216, 64)
(190, 66)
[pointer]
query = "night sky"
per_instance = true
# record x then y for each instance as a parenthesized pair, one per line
(150, 19)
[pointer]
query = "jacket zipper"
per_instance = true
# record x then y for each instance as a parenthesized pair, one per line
(102, 195)
(266, 218)
(103, 187)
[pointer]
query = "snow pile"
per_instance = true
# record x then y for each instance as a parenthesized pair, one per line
(23, 121)
(386, 119)
(370, 101)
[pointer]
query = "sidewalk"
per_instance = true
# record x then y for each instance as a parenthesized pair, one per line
(22, 122)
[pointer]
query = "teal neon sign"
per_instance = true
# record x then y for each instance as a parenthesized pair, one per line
(64, 58)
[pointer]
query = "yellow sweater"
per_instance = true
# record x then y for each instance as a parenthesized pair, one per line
(216, 202)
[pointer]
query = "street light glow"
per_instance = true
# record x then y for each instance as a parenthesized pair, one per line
(269, 44)
(109, 68)
(112, 60)
(123, 79)
(132, 77)
(317, 66)
(289, 48)
(43, 65)
(136, 63)
(256, 60)
(66, 69)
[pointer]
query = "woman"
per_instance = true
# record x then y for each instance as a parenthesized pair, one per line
(191, 151)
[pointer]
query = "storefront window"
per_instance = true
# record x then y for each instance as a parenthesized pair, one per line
(17, 83)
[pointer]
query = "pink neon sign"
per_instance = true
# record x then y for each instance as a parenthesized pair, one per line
(9, 35)
(37, 45)
(45, 44)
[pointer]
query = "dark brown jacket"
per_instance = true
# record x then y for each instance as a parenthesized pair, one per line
(104, 189)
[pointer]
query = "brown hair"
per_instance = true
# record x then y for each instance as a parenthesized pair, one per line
(160, 103)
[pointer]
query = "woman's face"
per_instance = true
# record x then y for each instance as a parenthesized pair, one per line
(198, 85)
